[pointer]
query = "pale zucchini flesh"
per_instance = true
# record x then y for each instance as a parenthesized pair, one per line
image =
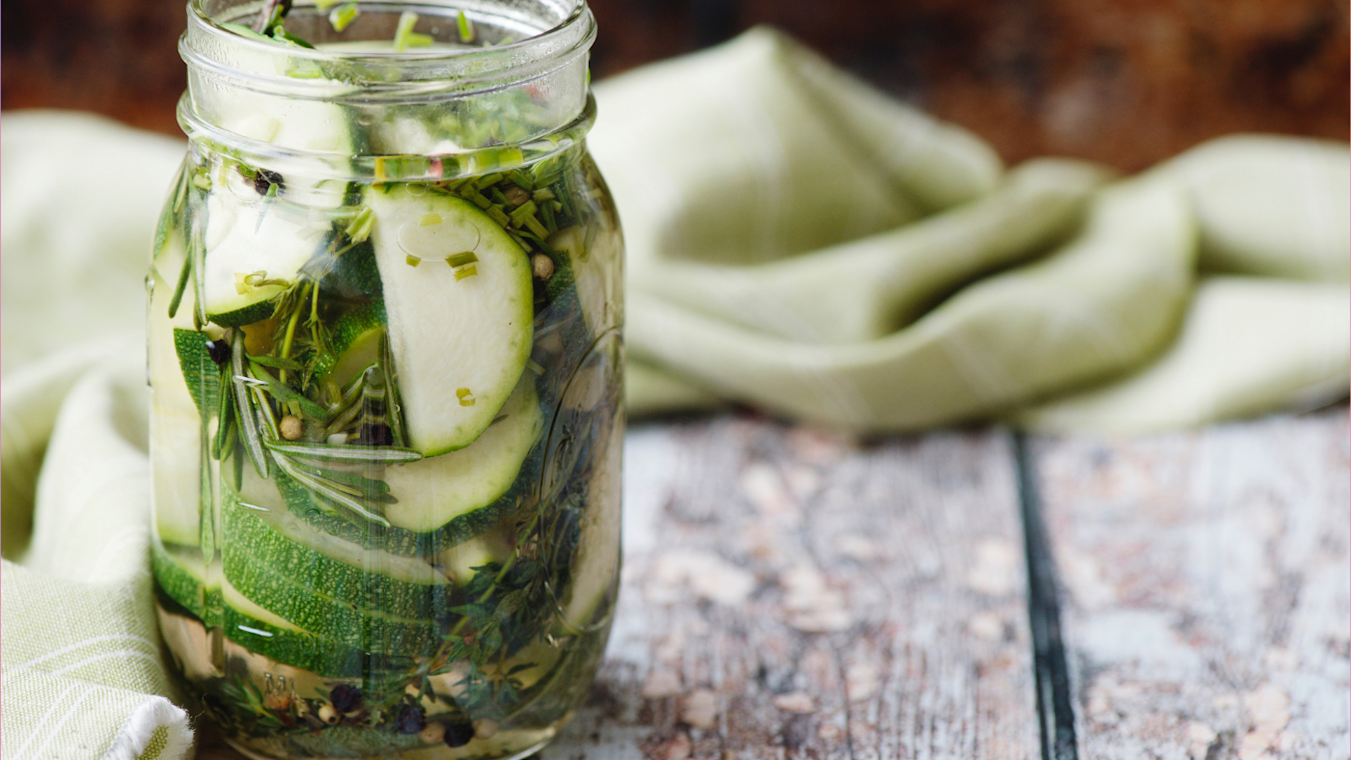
(255, 246)
(439, 489)
(460, 341)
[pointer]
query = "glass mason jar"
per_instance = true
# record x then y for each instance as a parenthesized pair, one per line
(386, 362)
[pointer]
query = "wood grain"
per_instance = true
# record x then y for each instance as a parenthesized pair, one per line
(792, 594)
(1207, 577)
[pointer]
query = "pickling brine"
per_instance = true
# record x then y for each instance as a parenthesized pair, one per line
(384, 347)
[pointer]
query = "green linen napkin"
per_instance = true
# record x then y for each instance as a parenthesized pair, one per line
(796, 241)
(801, 243)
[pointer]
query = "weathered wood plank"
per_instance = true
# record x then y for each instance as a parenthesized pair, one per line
(792, 594)
(1207, 579)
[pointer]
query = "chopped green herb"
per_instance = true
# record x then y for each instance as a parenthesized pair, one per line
(460, 259)
(405, 37)
(341, 17)
(465, 396)
(360, 227)
(462, 273)
(466, 28)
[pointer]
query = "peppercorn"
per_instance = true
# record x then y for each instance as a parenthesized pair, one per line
(264, 180)
(542, 265)
(432, 733)
(218, 350)
(516, 194)
(346, 697)
(458, 734)
(328, 714)
(410, 720)
(291, 427)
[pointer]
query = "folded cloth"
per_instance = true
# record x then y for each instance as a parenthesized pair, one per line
(797, 241)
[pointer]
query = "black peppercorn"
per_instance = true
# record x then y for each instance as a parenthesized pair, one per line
(345, 697)
(218, 350)
(410, 720)
(458, 734)
(265, 179)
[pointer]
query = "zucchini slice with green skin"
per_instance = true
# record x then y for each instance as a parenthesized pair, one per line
(255, 247)
(317, 612)
(460, 299)
(437, 491)
(348, 572)
(293, 123)
(355, 340)
(175, 425)
(180, 578)
(175, 473)
(292, 646)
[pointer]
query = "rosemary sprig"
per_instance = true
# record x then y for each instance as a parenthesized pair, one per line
(285, 394)
(323, 451)
(248, 424)
(394, 410)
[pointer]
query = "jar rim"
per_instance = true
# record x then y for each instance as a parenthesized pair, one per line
(209, 45)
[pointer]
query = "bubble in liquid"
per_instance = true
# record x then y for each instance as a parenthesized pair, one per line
(437, 241)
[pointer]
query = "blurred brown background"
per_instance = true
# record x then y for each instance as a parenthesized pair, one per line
(1126, 82)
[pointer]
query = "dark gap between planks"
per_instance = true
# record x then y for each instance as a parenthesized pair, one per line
(1055, 708)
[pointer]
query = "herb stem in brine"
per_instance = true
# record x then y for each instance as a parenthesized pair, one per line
(184, 273)
(291, 329)
(248, 423)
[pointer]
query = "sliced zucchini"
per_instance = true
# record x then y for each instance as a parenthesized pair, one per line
(460, 325)
(255, 246)
(175, 473)
(293, 123)
(180, 576)
(291, 646)
(400, 135)
(346, 571)
(426, 488)
(435, 492)
(275, 591)
(352, 276)
(356, 343)
(180, 573)
(590, 411)
(590, 277)
(175, 425)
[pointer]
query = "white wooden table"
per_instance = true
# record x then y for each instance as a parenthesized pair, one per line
(795, 594)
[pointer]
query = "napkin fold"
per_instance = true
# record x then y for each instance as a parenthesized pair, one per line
(797, 241)
(803, 244)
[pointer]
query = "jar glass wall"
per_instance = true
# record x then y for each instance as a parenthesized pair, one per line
(385, 359)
